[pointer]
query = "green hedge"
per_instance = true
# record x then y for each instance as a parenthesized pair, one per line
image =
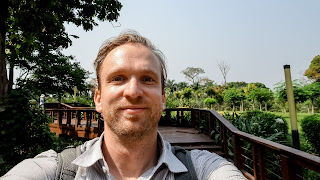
(311, 128)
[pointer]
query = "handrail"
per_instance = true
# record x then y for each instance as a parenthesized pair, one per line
(253, 155)
(290, 161)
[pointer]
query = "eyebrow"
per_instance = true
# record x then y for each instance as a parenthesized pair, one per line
(143, 71)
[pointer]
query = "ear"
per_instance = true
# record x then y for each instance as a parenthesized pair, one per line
(97, 100)
(163, 101)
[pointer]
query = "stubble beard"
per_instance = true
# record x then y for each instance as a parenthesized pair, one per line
(131, 129)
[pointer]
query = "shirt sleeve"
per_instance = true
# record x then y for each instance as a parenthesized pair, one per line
(227, 171)
(214, 167)
(41, 167)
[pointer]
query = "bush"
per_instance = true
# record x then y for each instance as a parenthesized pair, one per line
(311, 128)
(24, 130)
(265, 125)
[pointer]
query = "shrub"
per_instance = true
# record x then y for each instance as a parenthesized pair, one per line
(265, 125)
(311, 128)
(24, 131)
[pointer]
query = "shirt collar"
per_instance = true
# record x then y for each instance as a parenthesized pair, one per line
(92, 153)
(168, 158)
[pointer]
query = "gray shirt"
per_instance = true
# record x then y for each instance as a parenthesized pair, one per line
(93, 166)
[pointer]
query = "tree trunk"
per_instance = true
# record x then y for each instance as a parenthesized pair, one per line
(3, 68)
(10, 84)
(233, 107)
(241, 106)
(266, 106)
(260, 106)
(253, 105)
(312, 107)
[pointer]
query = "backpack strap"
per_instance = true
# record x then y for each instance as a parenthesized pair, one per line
(65, 169)
(185, 157)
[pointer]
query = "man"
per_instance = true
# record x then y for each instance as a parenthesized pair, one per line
(131, 73)
(42, 101)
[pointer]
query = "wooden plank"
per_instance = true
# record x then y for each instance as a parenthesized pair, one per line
(183, 135)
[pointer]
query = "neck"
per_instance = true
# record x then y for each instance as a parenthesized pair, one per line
(129, 160)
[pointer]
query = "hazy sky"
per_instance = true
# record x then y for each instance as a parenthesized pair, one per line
(255, 37)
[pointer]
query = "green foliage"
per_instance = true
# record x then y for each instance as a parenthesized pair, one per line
(313, 72)
(233, 96)
(54, 74)
(311, 128)
(260, 95)
(24, 130)
(28, 44)
(265, 125)
(209, 102)
(186, 93)
(299, 93)
(237, 85)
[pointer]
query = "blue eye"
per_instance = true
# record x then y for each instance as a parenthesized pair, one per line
(147, 79)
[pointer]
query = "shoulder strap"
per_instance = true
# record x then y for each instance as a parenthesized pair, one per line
(65, 169)
(185, 157)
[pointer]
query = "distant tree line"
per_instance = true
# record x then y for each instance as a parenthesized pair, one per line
(244, 96)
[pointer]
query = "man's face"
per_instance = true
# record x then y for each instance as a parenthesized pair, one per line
(130, 97)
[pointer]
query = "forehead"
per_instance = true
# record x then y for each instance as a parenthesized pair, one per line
(133, 57)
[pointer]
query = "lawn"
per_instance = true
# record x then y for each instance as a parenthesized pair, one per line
(300, 116)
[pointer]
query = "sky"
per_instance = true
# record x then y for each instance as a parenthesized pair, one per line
(256, 38)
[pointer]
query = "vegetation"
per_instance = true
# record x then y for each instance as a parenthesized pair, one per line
(313, 72)
(38, 44)
(310, 127)
(24, 130)
(265, 125)
(36, 49)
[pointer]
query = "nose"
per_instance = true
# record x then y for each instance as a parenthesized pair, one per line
(132, 89)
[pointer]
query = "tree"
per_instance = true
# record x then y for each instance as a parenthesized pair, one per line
(250, 87)
(206, 82)
(46, 34)
(298, 92)
(181, 85)
(313, 92)
(261, 95)
(237, 85)
(171, 85)
(192, 73)
(224, 68)
(209, 102)
(47, 78)
(232, 96)
(313, 72)
(24, 131)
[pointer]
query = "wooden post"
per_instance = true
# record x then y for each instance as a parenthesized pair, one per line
(68, 117)
(78, 118)
(262, 163)
(255, 162)
(238, 152)
(168, 116)
(193, 118)
(225, 142)
(60, 114)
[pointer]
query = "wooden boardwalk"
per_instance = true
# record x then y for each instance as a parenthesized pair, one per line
(257, 158)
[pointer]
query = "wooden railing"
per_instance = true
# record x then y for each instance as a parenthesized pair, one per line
(78, 123)
(257, 158)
